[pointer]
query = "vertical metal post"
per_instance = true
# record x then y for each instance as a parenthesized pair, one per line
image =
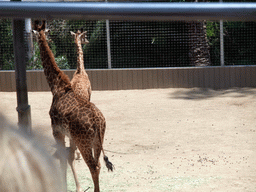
(29, 38)
(222, 63)
(108, 43)
(24, 115)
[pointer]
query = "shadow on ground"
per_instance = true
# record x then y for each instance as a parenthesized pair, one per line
(205, 93)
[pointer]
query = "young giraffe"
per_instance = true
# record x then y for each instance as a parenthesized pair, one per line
(72, 116)
(80, 82)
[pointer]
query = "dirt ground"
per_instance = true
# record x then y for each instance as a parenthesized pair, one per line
(165, 139)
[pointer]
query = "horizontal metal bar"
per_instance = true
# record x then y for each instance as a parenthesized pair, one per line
(130, 11)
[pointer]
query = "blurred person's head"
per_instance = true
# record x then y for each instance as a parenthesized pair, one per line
(24, 165)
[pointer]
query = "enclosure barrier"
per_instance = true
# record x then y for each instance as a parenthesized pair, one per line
(130, 11)
(123, 79)
(212, 77)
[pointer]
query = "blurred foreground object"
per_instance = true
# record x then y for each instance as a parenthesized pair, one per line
(24, 164)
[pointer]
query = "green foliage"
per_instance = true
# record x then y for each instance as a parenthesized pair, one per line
(6, 45)
(97, 32)
(8, 62)
(212, 29)
(213, 36)
(36, 63)
(62, 62)
(239, 43)
(60, 41)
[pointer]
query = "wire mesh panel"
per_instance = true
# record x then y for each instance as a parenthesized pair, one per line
(63, 46)
(138, 44)
(240, 43)
(6, 45)
(148, 44)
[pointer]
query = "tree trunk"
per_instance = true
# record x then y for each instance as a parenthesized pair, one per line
(199, 54)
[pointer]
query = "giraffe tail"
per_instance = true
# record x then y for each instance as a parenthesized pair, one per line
(109, 165)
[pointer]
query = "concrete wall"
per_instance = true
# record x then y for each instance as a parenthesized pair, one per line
(121, 79)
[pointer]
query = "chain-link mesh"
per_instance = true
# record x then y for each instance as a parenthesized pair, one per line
(139, 44)
(148, 44)
(95, 53)
(6, 45)
(240, 43)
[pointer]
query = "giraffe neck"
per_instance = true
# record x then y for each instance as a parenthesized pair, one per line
(56, 79)
(80, 57)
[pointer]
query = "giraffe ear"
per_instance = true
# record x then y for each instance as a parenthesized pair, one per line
(83, 37)
(84, 34)
(72, 33)
(35, 32)
(46, 31)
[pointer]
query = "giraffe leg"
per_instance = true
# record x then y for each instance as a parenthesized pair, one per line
(91, 163)
(61, 155)
(71, 161)
(96, 154)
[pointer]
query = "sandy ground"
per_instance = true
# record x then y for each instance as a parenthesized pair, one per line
(165, 139)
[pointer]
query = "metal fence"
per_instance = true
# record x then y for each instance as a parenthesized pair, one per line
(138, 44)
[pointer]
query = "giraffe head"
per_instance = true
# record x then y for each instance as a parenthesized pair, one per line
(39, 30)
(80, 35)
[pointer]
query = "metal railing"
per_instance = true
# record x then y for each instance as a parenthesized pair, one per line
(130, 11)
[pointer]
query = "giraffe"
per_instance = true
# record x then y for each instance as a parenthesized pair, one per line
(72, 116)
(80, 82)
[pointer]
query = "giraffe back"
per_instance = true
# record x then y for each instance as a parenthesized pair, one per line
(75, 117)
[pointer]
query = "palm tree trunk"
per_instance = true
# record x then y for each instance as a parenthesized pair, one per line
(199, 53)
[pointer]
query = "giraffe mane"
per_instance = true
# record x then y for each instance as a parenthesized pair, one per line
(41, 29)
